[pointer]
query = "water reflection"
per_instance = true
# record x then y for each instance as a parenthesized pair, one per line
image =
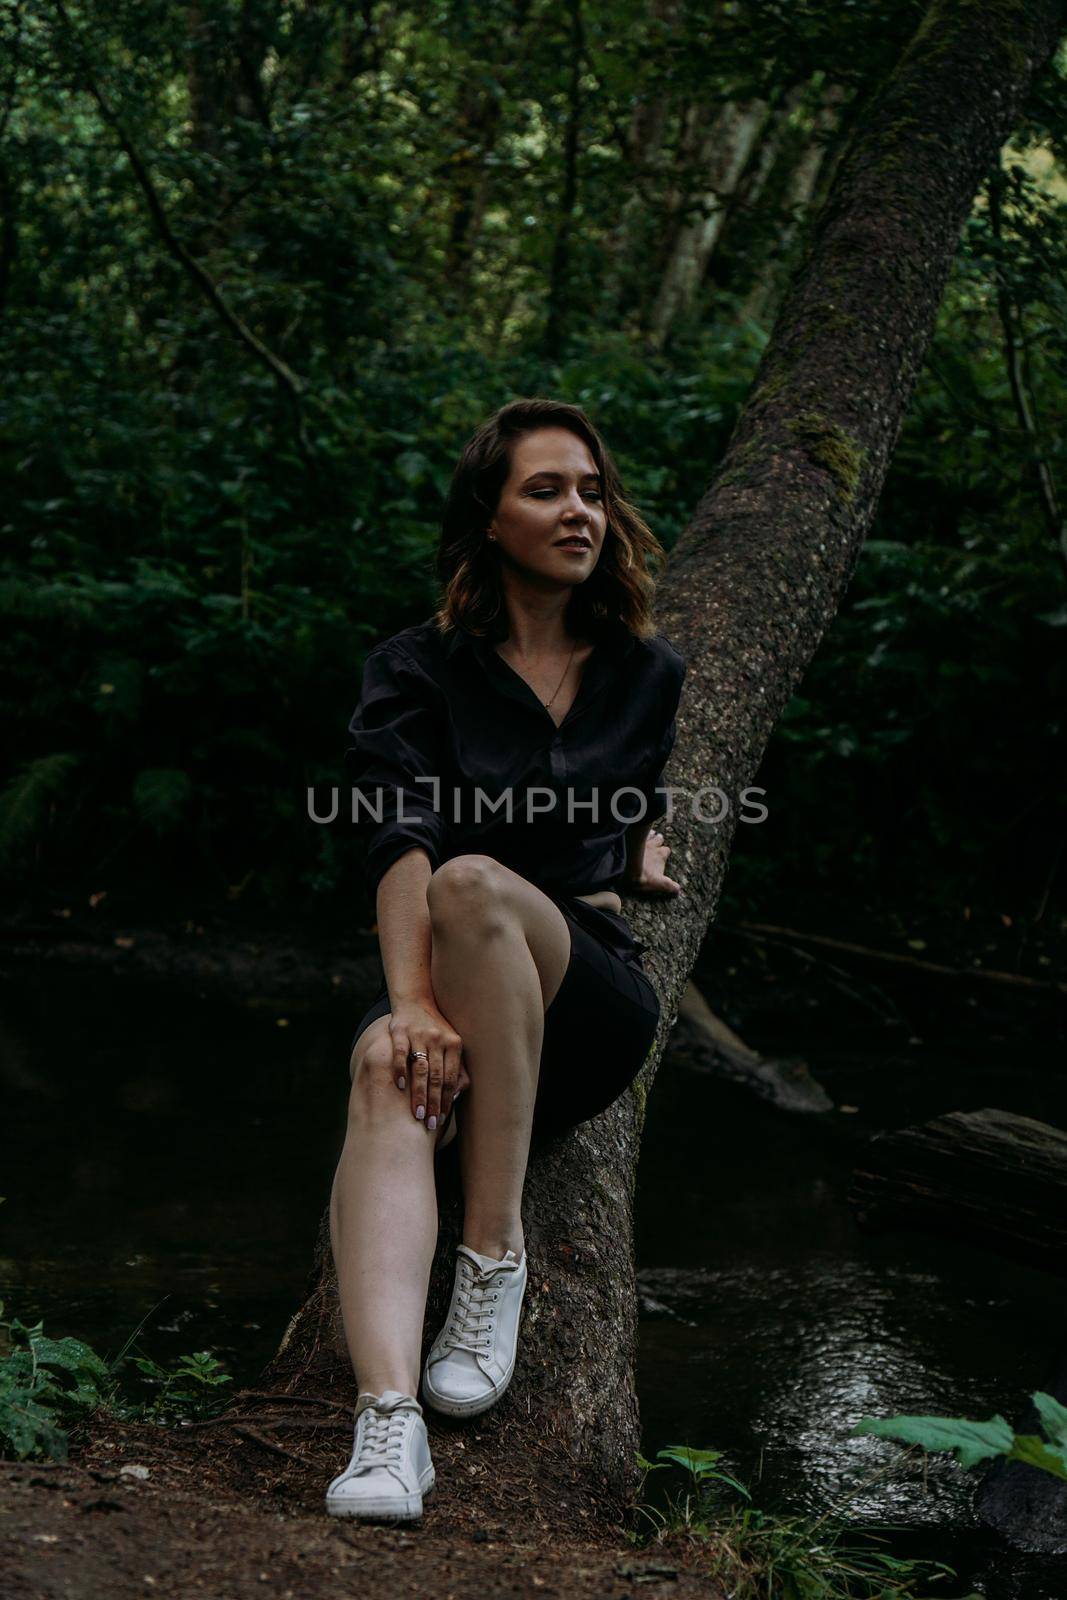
(772, 1324)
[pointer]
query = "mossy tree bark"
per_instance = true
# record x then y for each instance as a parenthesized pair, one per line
(751, 589)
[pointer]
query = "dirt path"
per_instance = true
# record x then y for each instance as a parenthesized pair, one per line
(87, 1532)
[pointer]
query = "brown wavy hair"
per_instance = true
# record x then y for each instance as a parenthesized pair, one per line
(619, 592)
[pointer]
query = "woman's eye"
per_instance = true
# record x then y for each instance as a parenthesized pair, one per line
(541, 494)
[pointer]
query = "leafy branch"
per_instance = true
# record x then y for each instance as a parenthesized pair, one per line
(292, 387)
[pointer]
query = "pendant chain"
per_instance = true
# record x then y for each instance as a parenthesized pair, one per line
(566, 669)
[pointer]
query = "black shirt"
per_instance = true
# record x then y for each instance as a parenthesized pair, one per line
(448, 706)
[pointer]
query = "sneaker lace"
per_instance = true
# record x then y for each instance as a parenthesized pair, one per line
(471, 1325)
(381, 1440)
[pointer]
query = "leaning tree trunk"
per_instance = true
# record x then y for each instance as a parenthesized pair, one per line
(751, 588)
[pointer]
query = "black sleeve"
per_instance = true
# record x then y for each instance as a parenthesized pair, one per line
(667, 733)
(395, 739)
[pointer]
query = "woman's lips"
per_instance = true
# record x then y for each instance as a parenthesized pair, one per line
(573, 544)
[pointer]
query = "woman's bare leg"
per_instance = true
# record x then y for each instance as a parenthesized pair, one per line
(500, 951)
(383, 1222)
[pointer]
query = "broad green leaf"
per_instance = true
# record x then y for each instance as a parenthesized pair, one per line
(724, 1477)
(972, 1441)
(1036, 1453)
(695, 1461)
(31, 1430)
(70, 1355)
(1053, 1418)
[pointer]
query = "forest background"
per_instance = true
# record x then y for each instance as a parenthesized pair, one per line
(264, 266)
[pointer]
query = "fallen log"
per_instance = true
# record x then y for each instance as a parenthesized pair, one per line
(768, 930)
(990, 1177)
(702, 1040)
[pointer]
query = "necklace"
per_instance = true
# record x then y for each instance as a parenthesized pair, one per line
(566, 669)
(559, 686)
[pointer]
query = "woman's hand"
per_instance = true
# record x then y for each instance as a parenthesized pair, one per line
(435, 1080)
(653, 878)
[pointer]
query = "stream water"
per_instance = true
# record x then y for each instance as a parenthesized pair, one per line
(170, 1162)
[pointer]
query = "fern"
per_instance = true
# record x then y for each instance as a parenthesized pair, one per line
(25, 802)
(161, 796)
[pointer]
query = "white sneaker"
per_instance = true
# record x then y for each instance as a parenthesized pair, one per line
(473, 1357)
(390, 1470)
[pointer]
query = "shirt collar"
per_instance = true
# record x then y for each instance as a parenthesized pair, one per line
(618, 646)
(600, 670)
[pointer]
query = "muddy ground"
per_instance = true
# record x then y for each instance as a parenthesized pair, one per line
(129, 1518)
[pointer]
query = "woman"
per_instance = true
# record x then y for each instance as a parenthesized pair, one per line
(501, 752)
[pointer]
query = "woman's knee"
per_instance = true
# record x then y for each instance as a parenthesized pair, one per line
(470, 892)
(374, 1089)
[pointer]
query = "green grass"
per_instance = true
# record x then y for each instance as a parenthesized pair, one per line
(760, 1555)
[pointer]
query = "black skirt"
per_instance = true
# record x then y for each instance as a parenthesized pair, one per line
(599, 1025)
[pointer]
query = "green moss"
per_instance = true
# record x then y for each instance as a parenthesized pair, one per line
(744, 456)
(828, 317)
(829, 446)
(953, 18)
(771, 386)
(641, 1096)
(901, 124)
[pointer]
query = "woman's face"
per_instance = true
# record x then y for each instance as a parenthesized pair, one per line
(553, 493)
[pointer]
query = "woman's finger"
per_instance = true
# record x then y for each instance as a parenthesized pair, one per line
(435, 1078)
(450, 1081)
(419, 1074)
(400, 1056)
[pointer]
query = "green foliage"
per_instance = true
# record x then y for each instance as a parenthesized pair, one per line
(44, 1381)
(187, 1390)
(198, 554)
(26, 800)
(975, 1442)
(700, 1464)
(49, 1386)
(161, 797)
(758, 1555)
